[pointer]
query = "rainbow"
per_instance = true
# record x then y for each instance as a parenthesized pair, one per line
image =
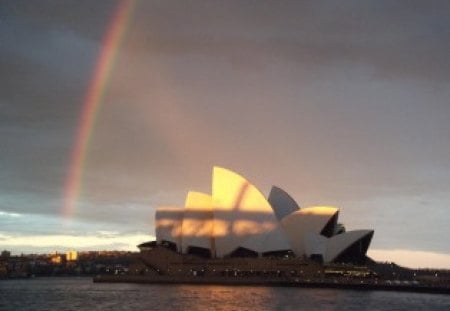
(93, 100)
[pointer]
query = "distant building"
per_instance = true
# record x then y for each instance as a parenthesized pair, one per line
(5, 254)
(72, 255)
(56, 259)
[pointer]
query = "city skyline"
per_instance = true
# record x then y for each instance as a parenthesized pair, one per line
(340, 104)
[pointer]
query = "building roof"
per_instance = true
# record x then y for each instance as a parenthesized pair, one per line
(236, 219)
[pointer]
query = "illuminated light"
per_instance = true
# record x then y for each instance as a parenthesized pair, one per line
(198, 201)
(220, 228)
(165, 222)
(319, 210)
(93, 100)
(198, 224)
(176, 234)
(72, 255)
(168, 224)
(232, 192)
(245, 227)
(56, 259)
(195, 228)
(234, 199)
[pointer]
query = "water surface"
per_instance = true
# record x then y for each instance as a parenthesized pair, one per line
(81, 294)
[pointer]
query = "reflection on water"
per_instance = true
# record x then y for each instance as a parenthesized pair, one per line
(81, 294)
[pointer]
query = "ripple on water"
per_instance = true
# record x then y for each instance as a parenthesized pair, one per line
(81, 294)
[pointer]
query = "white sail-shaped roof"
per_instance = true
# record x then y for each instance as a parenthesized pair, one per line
(282, 203)
(309, 220)
(168, 224)
(237, 216)
(315, 244)
(332, 248)
(197, 227)
(274, 240)
(241, 212)
(337, 244)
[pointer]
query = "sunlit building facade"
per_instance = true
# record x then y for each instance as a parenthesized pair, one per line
(71, 255)
(238, 221)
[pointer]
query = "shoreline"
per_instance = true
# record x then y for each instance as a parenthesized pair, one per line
(354, 285)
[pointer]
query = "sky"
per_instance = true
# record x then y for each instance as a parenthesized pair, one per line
(339, 103)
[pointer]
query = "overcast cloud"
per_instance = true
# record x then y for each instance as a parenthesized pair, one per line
(343, 103)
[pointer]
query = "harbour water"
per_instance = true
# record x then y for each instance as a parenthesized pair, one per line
(82, 294)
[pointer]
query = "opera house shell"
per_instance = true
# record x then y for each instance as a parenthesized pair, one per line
(237, 220)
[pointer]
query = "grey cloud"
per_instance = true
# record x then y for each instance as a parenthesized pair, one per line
(398, 40)
(336, 102)
(81, 16)
(395, 217)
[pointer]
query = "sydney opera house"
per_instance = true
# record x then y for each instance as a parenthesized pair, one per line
(236, 228)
